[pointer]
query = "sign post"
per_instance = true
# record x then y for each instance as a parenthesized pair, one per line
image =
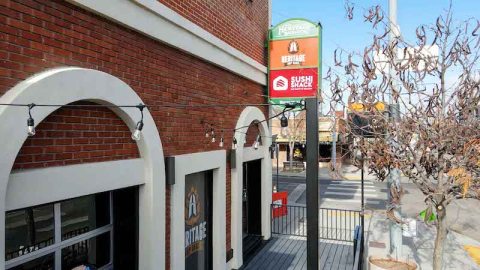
(295, 74)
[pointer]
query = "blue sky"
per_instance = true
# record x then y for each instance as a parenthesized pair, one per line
(354, 35)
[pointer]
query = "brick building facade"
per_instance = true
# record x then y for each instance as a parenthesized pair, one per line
(82, 52)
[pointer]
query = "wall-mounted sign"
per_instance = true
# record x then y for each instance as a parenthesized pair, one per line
(294, 61)
(293, 83)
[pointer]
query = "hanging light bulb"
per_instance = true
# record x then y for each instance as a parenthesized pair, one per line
(234, 146)
(257, 142)
(136, 135)
(221, 140)
(30, 121)
(213, 138)
(284, 124)
(207, 134)
(138, 131)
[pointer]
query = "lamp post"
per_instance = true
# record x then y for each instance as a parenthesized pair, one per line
(361, 158)
(275, 149)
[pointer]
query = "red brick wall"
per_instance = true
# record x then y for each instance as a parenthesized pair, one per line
(42, 34)
(77, 135)
(241, 23)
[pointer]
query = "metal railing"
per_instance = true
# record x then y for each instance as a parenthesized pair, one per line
(334, 224)
(358, 248)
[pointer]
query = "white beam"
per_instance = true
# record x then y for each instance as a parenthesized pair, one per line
(39, 186)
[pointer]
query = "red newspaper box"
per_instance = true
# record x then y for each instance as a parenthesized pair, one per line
(279, 204)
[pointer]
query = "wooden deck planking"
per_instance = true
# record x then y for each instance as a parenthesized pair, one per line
(289, 252)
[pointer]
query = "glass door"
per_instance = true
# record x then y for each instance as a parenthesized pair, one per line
(198, 221)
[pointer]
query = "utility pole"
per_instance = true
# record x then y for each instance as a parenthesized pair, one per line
(394, 178)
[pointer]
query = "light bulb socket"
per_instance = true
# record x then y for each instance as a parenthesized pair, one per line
(30, 122)
(139, 125)
(257, 142)
(284, 121)
(31, 126)
(234, 146)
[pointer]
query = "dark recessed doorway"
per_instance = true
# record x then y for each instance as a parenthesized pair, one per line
(252, 208)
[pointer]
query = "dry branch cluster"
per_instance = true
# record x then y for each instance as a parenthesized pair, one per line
(435, 83)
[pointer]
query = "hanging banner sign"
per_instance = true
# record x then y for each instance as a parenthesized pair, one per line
(294, 61)
(289, 83)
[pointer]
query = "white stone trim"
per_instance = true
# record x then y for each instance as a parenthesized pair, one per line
(66, 85)
(243, 154)
(35, 186)
(157, 21)
(250, 153)
(185, 165)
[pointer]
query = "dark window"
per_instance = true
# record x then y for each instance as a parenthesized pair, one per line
(84, 214)
(28, 230)
(92, 252)
(42, 263)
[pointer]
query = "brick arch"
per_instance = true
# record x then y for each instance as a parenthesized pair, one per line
(71, 84)
(245, 152)
(78, 135)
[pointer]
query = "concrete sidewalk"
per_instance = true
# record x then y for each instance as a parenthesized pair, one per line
(420, 247)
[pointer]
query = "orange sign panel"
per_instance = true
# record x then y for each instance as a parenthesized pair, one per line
(294, 53)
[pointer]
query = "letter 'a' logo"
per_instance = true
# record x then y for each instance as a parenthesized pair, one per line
(192, 207)
(280, 83)
(293, 47)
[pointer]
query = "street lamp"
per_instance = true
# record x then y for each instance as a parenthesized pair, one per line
(359, 156)
(275, 149)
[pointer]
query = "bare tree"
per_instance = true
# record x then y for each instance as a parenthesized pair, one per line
(436, 140)
(295, 133)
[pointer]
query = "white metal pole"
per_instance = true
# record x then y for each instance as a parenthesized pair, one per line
(394, 179)
(334, 141)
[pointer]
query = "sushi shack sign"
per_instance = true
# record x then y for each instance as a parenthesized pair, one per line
(294, 60)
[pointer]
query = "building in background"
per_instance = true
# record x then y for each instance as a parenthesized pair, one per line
(296, 137)
(80, 191)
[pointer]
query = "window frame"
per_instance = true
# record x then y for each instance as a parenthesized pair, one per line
(58, 245)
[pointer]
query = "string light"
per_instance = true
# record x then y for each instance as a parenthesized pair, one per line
(136, 135)
(257, 142)
(213, 135)
(284, 125)
(30, 121)
(234, 143)
(221, 141)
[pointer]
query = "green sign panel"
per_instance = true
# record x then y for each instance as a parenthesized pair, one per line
(294, 28)
(294, 64)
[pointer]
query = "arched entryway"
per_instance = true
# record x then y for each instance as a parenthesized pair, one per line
(259, 160)
(64, 86)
